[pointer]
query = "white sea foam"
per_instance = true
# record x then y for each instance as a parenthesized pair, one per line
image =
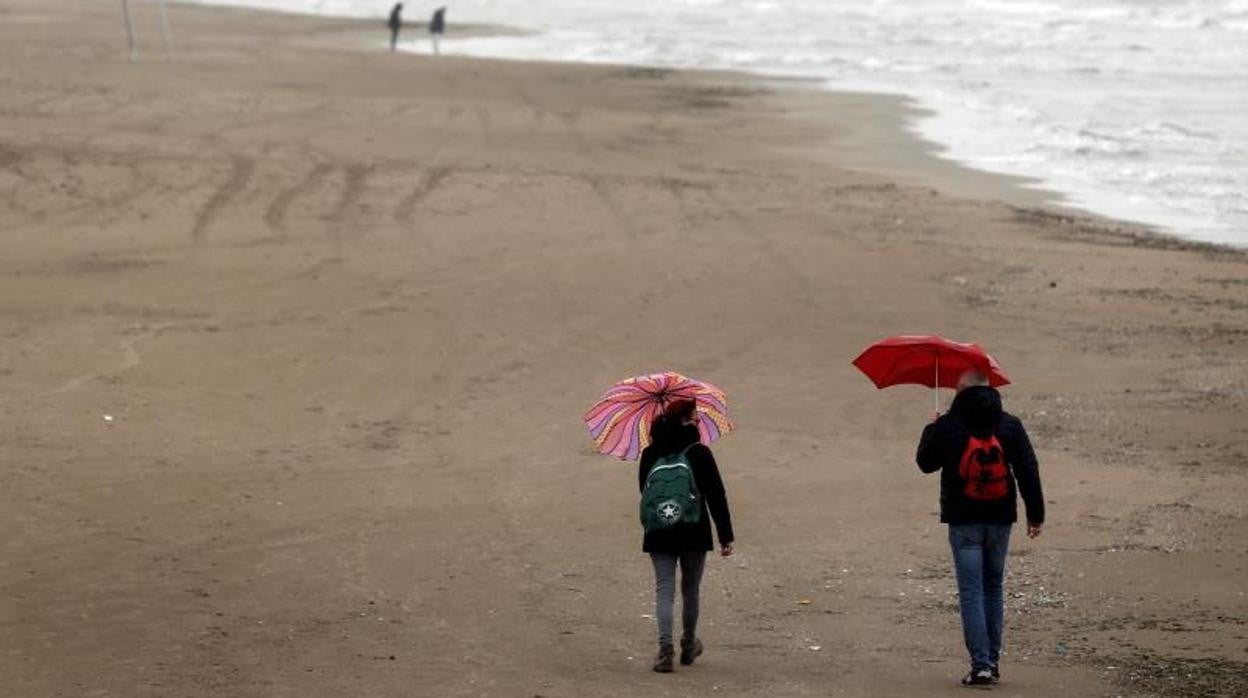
(1129, 108)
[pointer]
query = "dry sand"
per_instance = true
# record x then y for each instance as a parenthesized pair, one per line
(295, 336)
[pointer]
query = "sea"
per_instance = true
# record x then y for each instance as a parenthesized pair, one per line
(1132, 109)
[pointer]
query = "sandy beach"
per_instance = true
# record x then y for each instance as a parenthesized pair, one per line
(296, 335)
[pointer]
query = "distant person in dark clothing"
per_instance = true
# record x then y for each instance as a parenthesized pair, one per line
(437, 27)
(674, 437)
(985, 461)
(395, 23)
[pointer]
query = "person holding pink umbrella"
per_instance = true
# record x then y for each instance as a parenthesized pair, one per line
(667, 419)
(986, 461)
(682, 492)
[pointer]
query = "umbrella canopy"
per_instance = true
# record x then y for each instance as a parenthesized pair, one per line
(926, 359)
(619, 423)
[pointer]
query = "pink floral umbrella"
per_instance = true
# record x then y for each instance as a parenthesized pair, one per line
(619, 423)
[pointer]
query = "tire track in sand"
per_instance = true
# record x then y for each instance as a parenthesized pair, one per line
(240, 177)
(275, 214)
(354, 178)
(597, 182)
(428, 184)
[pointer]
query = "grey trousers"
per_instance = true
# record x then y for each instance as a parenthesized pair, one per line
(691, 565)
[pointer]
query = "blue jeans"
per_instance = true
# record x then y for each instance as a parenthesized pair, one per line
(979, 552)
(691, 565)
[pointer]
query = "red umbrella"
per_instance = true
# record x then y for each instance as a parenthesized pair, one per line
(926, 359)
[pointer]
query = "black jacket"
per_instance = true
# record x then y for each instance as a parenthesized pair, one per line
(688, 537)
(977, 411)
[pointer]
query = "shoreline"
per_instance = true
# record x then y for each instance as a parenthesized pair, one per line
(297, 338)
(922, 162)
(880, 138)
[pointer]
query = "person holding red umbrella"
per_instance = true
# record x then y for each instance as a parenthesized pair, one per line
(986, 461)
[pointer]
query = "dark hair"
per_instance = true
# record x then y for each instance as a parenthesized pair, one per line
(679, 410)
(668, 431)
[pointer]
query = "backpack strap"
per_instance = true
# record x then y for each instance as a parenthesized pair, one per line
(693, 481)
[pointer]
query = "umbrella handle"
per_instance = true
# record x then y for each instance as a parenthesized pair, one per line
(936, 386)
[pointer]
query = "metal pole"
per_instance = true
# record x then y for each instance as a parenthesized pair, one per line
(165, 37)
(130, 34)
(936, 389)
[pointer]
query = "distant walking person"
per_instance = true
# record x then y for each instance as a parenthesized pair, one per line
(681, 492)
(985, 461)
(395, 23)
(437, 27)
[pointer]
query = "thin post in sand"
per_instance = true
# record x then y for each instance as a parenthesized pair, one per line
(131, 37)
(166, 37)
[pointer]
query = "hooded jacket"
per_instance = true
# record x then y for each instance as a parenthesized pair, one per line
(977, 411)
(672, 438)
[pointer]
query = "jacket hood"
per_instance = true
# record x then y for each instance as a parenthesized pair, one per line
(979, 409)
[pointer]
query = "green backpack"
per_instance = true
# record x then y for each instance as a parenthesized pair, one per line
(670, 495)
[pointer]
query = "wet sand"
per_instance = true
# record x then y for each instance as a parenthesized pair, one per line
(296, 335)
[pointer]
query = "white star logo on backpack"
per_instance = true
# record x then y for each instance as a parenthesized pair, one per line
(669, 511)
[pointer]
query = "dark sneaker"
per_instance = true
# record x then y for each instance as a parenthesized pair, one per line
(690, 650)
(996, 674)
(978, 677)
(663, 663)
